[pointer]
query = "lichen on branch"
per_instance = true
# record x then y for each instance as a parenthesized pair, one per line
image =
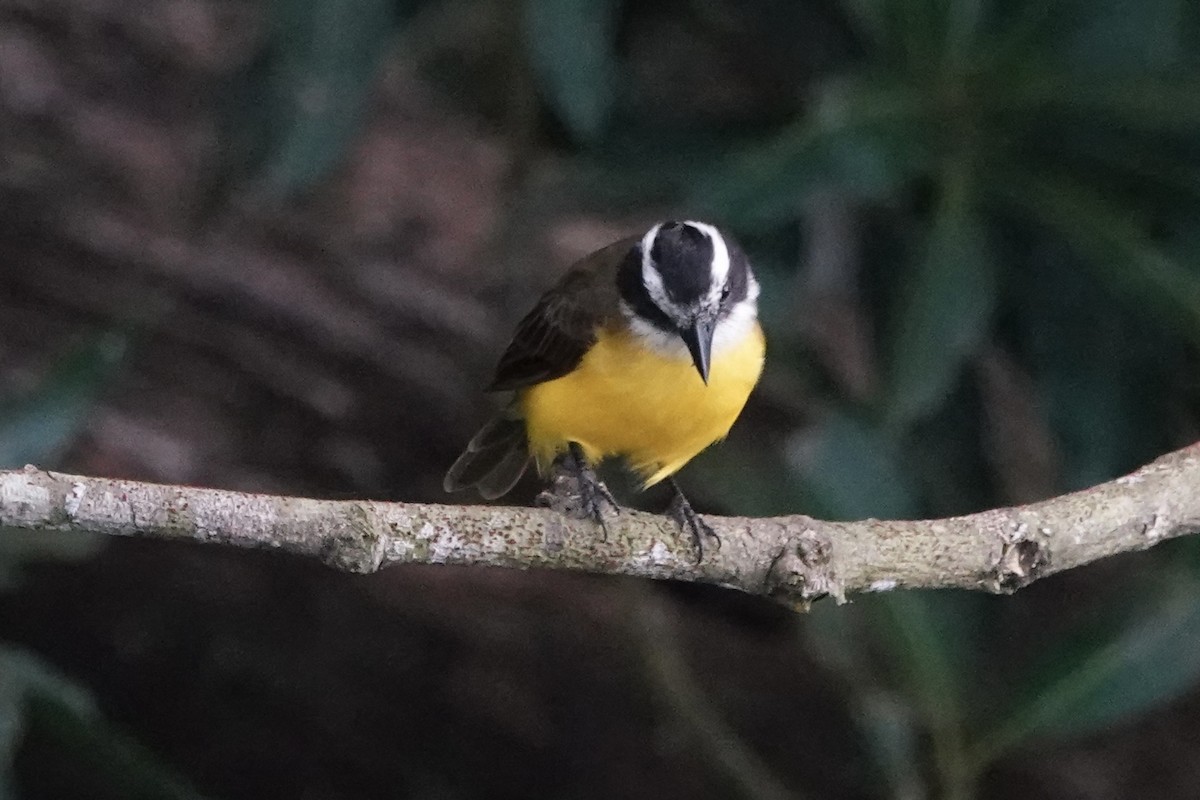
(793, 558)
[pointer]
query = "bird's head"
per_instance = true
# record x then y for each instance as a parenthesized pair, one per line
(687, 289)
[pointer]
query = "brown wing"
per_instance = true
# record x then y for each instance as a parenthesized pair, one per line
(552, 338)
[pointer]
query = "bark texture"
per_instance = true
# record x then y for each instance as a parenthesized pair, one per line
(794, 558)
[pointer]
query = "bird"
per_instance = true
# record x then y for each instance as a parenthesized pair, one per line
(647, 349)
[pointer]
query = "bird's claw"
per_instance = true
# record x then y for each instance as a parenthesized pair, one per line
(575, 491)
(686, 517)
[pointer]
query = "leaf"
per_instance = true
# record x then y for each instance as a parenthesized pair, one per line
(36, 428)
(19, 547)
(1105, 413)
(894, 740)
(23, 671)
(837, 637)
(12, 729)
(869, 19)
(741, 477)
(572, 48)
(1165, 104)
(1108, 674)
(851, 471)
(926, 40)
(945, 309)
(21, 674)
(105, 761)
(932, 640)
(322, 69)
(1129, 36)
(1162, 167)
(1134, 267)
(37, 701)
(863, 140)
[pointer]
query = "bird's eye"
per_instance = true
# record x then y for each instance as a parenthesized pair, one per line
(725, 293)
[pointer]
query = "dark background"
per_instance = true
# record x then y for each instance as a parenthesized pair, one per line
(278, 246)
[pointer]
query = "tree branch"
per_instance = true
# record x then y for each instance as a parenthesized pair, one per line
(794, 558)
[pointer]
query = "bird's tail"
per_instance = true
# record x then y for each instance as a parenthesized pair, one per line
(494, 460)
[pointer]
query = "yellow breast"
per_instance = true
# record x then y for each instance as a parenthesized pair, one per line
(625, 399)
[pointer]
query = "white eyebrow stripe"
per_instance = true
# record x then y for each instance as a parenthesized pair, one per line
(647, 246)
(720, 261)
(651, 277)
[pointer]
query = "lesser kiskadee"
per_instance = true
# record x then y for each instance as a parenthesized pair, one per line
(646, 349)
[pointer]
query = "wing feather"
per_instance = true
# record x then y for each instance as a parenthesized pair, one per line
(554, 337)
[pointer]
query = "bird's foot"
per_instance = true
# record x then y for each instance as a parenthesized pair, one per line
(575, 491)
(686, 517)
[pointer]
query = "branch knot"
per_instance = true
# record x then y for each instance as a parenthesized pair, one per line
(355, 545)
(803, 568)
(1021, 562)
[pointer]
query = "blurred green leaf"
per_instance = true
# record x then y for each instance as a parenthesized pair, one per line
(851, 470)
(36, 428)
(894, 737)
(1106, 413)
(893, 733)
(870, 19)
(572, 47)
(945, 310)
(1126, 35)
(835, 637)
(1150, 168)
(1110, 672)
(739, 476)
(942, 453)
(964, 21)
(932, 639)
(862, 140)
(21, 674)
(324, 56)
(925, 40)
(105, 761)
(1136, 268)
(19, 547)
(38, 702)
(1167, 104)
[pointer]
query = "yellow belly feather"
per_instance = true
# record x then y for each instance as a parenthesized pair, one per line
(627, 400)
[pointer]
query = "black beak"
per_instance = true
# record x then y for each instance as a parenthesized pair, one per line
(698, 339)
